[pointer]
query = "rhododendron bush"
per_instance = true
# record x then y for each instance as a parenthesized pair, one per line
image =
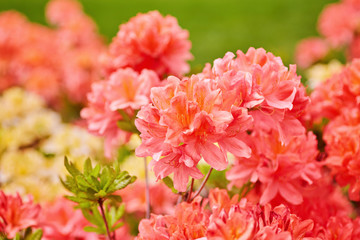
(241, 149)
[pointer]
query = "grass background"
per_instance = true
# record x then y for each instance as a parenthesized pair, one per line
(215, 26)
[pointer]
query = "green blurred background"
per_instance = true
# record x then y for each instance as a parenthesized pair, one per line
(215, 26)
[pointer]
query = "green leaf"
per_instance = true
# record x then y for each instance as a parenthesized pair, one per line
(93, 229)
(95, 172)
(124, 115)
(71, 168)
(126, 126)
(169, 182)
(36, 235)
(116, 198)
(87, 167)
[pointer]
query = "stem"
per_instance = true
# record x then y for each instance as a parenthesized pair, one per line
(100, 201)
(203, 184)
(191, 189)
(147, 190)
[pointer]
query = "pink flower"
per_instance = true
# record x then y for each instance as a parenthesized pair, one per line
(80, 46)
(150, 41)
(162, 200)
(16, 214)
(281, 169)
(59, 220)
(125, 90)
(260, 82)
(186, 119)
(339, 228)
(51, 62)
(227, 219)
(322, 200)
(310, 50)
(189, 222)
(338, 23)
(343, 148)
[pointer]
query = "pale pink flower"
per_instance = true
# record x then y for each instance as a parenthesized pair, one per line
(60, 220)
(125, 90)
(150, 41)
(310, 50)
(17, 214)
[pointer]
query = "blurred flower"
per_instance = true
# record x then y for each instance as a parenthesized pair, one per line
(309, 51)
(150, 41)
(60, 220)
(17, 214)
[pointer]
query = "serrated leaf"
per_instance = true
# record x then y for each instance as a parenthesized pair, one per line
(83, 184)
(71, 168)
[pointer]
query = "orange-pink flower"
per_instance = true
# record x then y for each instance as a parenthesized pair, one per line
(150, 41)
(187, 117)
(17, 214)
(343, 148)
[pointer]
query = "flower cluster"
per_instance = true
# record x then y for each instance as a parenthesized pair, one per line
(150, 41)
(226, 219)
(125, 90)
(44, 60)
(280, 169)
(337, 99)
(208, 114)
(145, 49)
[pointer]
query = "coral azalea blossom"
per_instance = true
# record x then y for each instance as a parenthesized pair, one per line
(150, 41)
(17, 214)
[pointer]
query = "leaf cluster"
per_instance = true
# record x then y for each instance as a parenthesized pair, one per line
(95, 183)
(91, 188)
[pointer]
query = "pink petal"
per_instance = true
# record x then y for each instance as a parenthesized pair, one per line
(214, 156)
